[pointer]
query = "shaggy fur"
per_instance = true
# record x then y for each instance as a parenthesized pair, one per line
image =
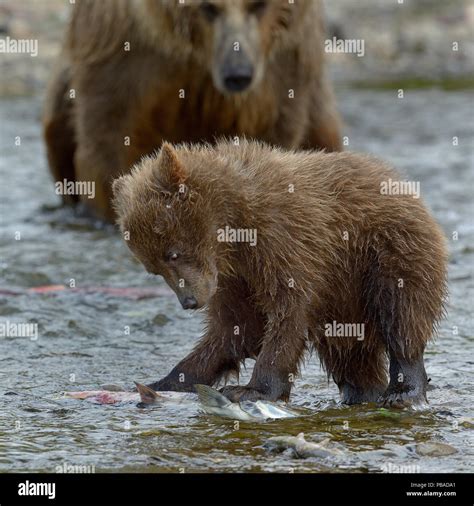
(128, 101)
(331, 247)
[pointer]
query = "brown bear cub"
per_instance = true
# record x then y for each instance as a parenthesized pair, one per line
(133, 74)
(290, 251)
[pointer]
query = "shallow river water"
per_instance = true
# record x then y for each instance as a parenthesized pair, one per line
(83, 341)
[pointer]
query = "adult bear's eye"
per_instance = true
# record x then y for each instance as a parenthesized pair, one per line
(209, 10)
(257, 7)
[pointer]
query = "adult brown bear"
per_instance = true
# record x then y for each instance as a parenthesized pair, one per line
(289, 251)
(136, 72)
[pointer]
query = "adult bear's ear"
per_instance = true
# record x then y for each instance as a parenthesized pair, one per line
(170, 171)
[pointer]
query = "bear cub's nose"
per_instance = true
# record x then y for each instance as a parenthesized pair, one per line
(189, 303)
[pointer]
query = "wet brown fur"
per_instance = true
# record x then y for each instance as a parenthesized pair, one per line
(135, 94)
(389, 273)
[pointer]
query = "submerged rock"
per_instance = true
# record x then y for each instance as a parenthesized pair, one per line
(434, 449)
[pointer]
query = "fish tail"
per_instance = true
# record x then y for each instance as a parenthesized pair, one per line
(211, 397)
(147, 394)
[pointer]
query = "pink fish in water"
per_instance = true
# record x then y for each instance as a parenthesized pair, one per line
(111, 394)
(104, 397)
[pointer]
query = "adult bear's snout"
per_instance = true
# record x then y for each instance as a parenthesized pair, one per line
(237, 78)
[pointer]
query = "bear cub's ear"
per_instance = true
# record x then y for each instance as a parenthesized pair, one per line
(121, 191)
(170, 172)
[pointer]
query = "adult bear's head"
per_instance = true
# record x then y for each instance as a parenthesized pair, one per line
(232, 39)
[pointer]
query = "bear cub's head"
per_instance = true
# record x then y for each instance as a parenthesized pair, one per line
(164, 223)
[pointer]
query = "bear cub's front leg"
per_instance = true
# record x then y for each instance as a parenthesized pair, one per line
(206, 364)
(277, 363)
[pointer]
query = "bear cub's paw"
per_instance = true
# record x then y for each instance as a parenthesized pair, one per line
(399, 397)
(237, 393)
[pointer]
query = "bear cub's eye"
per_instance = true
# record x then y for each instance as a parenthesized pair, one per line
(172, 256)
(209, 10)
